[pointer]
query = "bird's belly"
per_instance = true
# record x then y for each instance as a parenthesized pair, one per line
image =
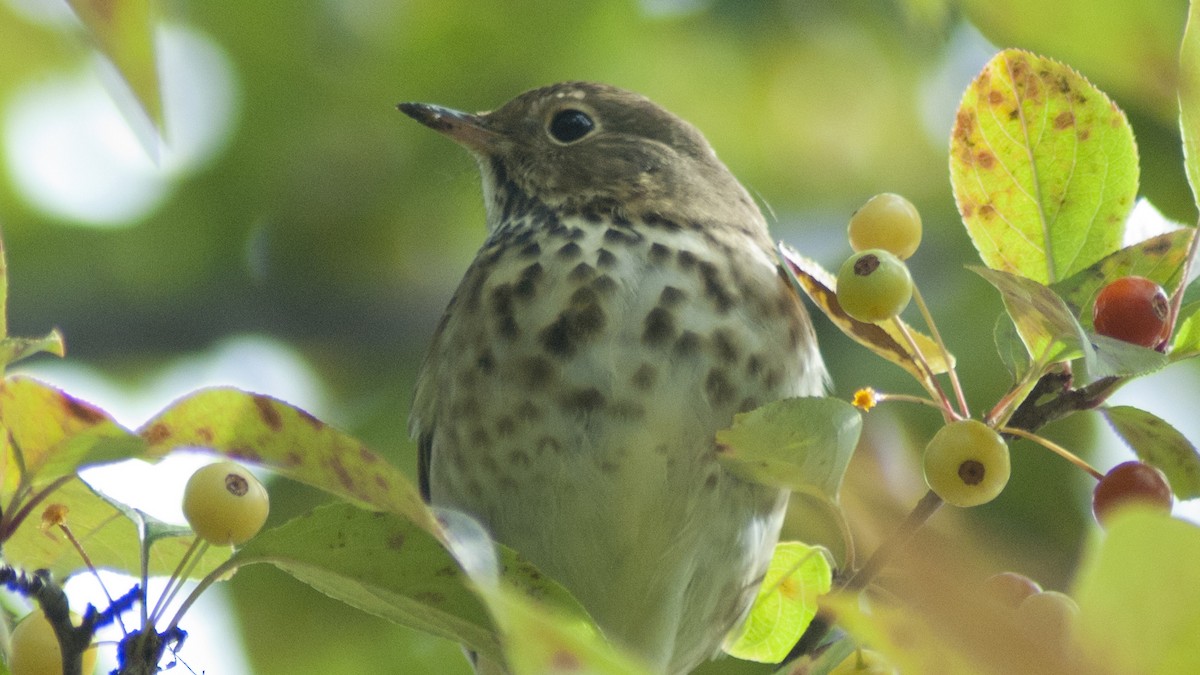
(577, 425)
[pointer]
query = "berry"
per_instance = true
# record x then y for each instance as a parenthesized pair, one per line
(1133, 309)
(225, 504)
(35, 649)
(873, 286)
(1048, 617)
(864, 662)
(966, 463)
(887, 221)
(1009, 589)
(1131, 484)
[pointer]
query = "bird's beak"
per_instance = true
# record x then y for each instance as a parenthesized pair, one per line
(468, 130)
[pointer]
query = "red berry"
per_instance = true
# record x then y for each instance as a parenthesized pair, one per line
(1131, 483)
(1133, 309)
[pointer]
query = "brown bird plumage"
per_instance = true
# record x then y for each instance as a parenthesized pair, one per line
(625, 305)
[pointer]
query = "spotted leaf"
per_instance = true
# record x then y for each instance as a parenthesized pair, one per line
(1044, 168)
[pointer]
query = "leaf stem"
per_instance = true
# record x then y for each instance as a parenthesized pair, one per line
(937, 337)
(1053, 447)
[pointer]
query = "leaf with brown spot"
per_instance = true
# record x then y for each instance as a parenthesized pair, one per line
(1043, 321)
(14, 349)
(1044, 168)
(285, 439)
(883, 339)
(55, 434)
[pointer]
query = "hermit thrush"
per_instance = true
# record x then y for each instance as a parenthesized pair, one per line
(625, 305)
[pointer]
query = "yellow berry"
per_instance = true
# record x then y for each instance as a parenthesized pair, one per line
(225, 504)
(966, 463)
(886, 221)
(35, 649)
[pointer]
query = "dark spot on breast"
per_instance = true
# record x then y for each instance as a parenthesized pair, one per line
(548, 444)
(711, 481)
(518, 459)
(528, 412)
(714, 290)
(754, 365)
(659, 253)
(644, 377)
(581, 272)
(657, 220)
(583, 400)
(726, 349)
(687, 260)
(536, 372)
(605, 259)
(577, 324)
(621, 236)
(718, 387)
(570, 251)
(531, 250)
(526, 286)
(687, 344)
(659, 327)
(604, 284)
(670, 296)
(749, 403)
(486, 362)
(505, 426)
(501, 301)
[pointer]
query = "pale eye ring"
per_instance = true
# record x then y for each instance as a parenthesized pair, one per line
(569, 125)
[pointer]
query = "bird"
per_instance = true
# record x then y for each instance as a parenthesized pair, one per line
(626, 303)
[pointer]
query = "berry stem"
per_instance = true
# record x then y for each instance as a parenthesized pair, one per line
(218, 572)
(937, 337)
(880, 397)
(1053, 447)
(91, 567)
(931, 383)
(190, 559)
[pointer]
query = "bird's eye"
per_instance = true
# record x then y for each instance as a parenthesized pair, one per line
(570, 125)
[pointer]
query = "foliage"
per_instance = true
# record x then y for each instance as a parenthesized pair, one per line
(1044, 171)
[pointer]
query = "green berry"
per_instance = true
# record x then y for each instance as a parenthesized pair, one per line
(35, 649)
(966, 463)
(887, 221)
(225, 504)
(874, 286)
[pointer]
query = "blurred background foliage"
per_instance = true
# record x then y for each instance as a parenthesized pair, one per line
(298, 235)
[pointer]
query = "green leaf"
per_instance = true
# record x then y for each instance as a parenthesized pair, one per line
(109, 537)
(1159, 259)
(381, 563)
(1042, 320)
(1159, 444)
(1189, 99)
(1186, 342)
(55, 434)
(1044, 168)
(1010, 348)
(124, 31)
(795, 443)
(1139, 596)
(785, 605)
(289, 441)
(1112, 357)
